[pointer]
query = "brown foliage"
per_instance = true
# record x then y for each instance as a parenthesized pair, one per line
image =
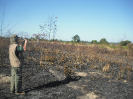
(69, 56)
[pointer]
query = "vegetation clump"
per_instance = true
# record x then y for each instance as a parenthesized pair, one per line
(124, 43)
(71, 56)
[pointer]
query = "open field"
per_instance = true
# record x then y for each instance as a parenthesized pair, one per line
(66, 71)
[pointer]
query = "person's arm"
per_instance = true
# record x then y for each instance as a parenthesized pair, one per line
(25, 45)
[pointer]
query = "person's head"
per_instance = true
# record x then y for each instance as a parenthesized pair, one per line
(14, 39)
(18, 40)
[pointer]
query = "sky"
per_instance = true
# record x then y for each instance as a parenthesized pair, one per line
(90, 19)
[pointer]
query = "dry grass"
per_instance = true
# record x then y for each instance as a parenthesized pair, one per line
(106, 68)
(70, 55)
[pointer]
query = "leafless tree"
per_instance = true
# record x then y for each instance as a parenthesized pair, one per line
(8, 33)
(23, 35)
(122, 39)
(40, 36)
(3, 20)
(3, 28)
(49, 27)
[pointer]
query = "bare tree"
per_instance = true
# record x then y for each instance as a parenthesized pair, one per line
(49, 27)
(3, 28)
(40, 36)
(2, 21)
(23, 35)
(36, 36)
(54, 31)
(122, 39)
(8, 33)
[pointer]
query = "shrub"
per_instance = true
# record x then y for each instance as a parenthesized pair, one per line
(103, 41)
(73, 42)
(124, 43)
(94, 42)
(130, 46)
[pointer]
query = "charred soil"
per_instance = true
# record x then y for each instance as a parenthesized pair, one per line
(49, 82)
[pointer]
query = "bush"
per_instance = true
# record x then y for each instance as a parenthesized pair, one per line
(124, 43)
(103, 41)
(94, 42)
(73, 42)
(130, 46)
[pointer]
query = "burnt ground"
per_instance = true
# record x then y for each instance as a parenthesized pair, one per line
(50, 83)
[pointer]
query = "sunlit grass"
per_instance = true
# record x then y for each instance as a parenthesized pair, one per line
(77, 55)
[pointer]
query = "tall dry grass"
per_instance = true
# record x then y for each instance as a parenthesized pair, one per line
(113, 62)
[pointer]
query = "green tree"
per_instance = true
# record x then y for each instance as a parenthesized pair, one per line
(94, 42)
(124, 43)
(76, 39)
(103, 41)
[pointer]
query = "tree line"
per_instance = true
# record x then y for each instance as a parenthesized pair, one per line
(76, 39)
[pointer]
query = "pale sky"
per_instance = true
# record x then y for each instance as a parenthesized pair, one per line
(90, 19)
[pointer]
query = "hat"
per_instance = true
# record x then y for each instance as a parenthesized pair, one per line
(14, 36)
(13, 39)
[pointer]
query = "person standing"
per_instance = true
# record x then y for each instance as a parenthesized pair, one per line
(16, 61)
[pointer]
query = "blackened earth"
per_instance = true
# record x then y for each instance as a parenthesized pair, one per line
(50, 83)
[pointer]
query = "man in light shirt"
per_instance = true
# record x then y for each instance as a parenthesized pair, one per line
(16, 61)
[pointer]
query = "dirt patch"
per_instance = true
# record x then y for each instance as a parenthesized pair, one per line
(89, 96)
(4, 79)
(81, 74)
